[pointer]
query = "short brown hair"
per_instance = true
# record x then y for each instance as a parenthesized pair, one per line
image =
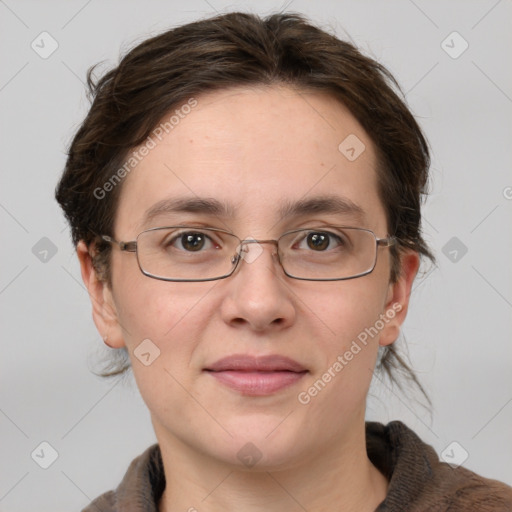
(238, 49)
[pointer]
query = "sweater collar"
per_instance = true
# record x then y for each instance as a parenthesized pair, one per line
(394, 449)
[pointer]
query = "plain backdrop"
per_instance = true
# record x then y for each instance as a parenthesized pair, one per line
(458, 329)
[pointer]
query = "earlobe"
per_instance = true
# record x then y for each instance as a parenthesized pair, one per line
(103, 308)
(397, 302)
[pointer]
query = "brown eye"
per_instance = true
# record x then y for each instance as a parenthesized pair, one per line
(192, 241)
(318, 241)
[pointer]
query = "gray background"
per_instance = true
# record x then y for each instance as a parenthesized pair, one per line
(458, 329)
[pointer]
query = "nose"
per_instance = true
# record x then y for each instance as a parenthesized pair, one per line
(258, 295)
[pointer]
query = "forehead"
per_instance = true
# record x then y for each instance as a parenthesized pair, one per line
(256, 153)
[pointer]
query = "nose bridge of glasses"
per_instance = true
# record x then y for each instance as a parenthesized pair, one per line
(249, 256)
(254, 241)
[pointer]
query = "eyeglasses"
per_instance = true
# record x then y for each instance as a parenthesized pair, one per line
(187, 253)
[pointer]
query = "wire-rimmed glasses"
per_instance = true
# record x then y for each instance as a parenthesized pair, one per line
(190, 253)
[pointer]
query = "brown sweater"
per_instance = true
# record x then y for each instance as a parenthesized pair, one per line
(418, 481)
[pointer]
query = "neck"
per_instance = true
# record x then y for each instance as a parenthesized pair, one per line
(345, 477)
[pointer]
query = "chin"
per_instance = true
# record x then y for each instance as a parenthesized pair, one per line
(261, 442)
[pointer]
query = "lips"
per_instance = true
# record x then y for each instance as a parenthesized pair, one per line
(256, 376)
(241, 362)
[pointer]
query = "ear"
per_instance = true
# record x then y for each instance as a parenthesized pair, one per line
(397, 300)
(104, 311)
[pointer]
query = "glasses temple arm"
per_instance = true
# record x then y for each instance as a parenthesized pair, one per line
(124, 246)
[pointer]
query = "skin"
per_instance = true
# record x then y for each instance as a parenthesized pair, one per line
(253, 148)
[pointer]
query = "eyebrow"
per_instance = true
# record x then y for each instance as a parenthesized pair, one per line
(325, 204)
(189, 205)
(329, 204)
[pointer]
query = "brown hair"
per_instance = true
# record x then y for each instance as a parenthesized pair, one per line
(238, 49)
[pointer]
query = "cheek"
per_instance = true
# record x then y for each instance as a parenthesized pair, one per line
(347, 308)
(162, 330)
(151, 308)
(349, 347)
(161, 318)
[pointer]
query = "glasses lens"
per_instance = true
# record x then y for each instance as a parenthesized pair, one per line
(186, 253)
(328, 253)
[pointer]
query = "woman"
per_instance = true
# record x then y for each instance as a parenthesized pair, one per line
(244, 196)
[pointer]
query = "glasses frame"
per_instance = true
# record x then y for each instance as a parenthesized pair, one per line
(131, 246)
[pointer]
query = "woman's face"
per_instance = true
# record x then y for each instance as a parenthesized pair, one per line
(255, 150)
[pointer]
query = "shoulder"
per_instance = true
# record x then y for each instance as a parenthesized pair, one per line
(462, 489)
(419, 481)
(105, 503)
(140, 489)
